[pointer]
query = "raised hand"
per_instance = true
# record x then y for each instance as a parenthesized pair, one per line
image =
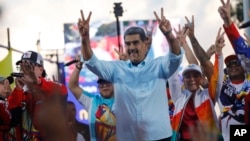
(164, 24)
(219, 42)
(19, 82)
(28, 69)
(225, 12)
(79, 63)
(190, 26)
(83, 25)
(181, 35)
(166, 29)
(122, 55)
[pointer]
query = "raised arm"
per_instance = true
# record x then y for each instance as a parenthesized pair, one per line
(217, 78)
(199, 52)
(74, 80)
(181, 38)
(211, 51)
(83, 26)
(166, 29)
(219, 42)
(238, 43)
(225, 13)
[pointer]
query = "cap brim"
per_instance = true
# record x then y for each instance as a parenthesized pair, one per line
(18, 62)
(99, 80)
(230, 58)
(184, 72)
(102, 80)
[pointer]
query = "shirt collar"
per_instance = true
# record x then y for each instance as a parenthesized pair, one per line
(140, 64)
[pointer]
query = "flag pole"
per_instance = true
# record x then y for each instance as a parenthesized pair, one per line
(8, 36)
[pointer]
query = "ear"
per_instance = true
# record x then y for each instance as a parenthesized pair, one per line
(202, 79)
(41, 69)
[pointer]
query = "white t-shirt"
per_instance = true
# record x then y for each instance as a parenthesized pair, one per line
(79, 137)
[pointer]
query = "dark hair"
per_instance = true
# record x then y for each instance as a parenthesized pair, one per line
(225, 71)
(136, 30)
(44, 74)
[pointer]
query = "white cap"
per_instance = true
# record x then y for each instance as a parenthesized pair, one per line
(191, 67)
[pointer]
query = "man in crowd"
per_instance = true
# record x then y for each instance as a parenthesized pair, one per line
(101, 118)
(236, 85)
(31, 90)
(140, 83)
(5, 115)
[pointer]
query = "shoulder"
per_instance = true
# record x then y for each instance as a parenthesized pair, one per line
(51, 85)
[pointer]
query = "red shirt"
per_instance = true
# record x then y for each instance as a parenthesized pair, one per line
(190, 118)
(5, 118)
(32, 102)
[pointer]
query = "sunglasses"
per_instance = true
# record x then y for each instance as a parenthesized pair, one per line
(103, 84)
(233, 62)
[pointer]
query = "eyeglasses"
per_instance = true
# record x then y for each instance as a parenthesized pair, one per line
(233, 62)
(101, 85)
(189, 76)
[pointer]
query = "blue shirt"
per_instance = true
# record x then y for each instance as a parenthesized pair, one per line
(92, 102)
(141, 104)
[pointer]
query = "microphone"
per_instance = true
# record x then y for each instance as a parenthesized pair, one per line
(70, 62)
(244, 25)
(15, 74)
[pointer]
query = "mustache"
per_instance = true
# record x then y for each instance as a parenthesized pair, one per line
(132, 51)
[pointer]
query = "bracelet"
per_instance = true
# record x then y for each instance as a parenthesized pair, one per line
(79, 68)
(167, 32)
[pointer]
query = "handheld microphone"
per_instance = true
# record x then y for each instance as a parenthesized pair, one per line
(70, 62)
(14, 74)
(244, 25)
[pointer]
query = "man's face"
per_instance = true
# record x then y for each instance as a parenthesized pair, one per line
(37, 69)
(136, 48)
(5, 89)
(106, 89)
(234, 68)
(192, 80)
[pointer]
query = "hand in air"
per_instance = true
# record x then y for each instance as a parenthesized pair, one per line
(83, 25)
